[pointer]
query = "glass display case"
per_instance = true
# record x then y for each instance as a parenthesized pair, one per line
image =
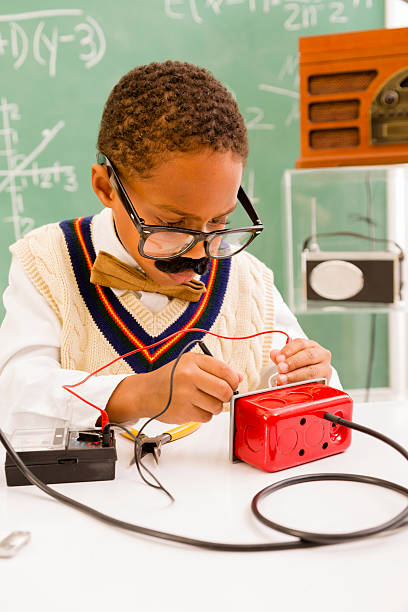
(346, 245)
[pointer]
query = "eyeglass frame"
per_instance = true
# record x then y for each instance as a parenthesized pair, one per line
(146, 230)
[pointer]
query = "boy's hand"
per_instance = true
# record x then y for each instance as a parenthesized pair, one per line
(301, 359)
(201, 385)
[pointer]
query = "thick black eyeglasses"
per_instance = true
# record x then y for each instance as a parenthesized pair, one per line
(161, 242)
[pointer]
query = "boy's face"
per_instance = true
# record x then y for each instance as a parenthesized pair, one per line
(191, 190)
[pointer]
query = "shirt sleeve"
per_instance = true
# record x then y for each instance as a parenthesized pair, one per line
(31, 376)
(286, 321)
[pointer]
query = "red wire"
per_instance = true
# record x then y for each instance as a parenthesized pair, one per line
(105, 418)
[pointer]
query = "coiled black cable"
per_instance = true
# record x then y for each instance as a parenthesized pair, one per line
(305, 539)
(329, 538)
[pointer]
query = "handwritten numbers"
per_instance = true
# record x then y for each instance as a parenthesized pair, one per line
(168, 9)
(295, 16)
(19, 44)
(215, 5)
(70, 179)
(26, 225)
(93, 41)
(42, 44)
(368, 3)
(20, 168)
(337, 14)
(43, 39)
(301, 17)
(256, 122)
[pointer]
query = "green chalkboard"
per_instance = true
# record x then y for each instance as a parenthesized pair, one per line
(59, 64)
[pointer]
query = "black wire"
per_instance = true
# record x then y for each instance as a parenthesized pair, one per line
(330, 538)
(156, 416)
(336, 538)
(371, 432)
(162, 535)
(353, 235)
(138, 461)
(305, 539)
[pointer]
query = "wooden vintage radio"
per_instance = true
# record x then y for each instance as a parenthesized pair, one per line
(354, 98)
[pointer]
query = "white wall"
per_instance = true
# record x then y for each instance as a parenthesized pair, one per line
(396, 13)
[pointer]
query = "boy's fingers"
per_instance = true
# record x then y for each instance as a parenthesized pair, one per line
(302, 359)
(206, 403)
(308, 373)
(194, 413)
(294, 346)
(213, 386)
(200, 415)
(307, 357)
(220, 369)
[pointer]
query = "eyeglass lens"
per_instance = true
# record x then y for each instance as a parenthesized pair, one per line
(166, 244)
(228, 244)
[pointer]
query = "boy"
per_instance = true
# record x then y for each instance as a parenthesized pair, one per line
(158, 259)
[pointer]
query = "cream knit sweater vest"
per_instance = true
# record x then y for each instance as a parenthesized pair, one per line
(247, 308)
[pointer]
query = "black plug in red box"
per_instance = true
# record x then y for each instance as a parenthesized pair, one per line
(278, 428)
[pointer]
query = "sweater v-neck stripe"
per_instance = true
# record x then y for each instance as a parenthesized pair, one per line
(119, 326)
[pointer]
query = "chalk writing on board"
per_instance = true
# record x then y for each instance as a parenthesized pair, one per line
(290, 68)
(43, 36)
(253, 115)
(249, 185)
(288, 72)
(301, 15)
(22, 170)
(293, 114)
(256, 121)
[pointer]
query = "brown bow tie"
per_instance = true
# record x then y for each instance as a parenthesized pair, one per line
(109, 271)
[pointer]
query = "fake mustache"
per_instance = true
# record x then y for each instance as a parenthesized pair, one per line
(180, 264)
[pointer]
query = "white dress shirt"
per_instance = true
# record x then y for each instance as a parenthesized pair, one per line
(31, 376)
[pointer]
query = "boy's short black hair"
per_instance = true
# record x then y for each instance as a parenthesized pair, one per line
(168, 107)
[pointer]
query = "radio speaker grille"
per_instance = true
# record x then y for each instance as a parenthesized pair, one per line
(342, 110)
(342, 82)
(330, 139)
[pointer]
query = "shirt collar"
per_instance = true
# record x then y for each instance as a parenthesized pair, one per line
(104, 238)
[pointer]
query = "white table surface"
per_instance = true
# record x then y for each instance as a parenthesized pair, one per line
(74, 562)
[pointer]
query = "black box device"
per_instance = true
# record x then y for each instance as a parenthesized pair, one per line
(359, 276)
(62, 455)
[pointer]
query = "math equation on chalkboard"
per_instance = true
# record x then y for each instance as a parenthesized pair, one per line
(293, 16)
(44, 35)
(18, 171)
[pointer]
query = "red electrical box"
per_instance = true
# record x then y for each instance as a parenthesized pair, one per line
(282, 427)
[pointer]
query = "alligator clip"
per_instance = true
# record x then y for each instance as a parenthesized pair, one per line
(153, 444)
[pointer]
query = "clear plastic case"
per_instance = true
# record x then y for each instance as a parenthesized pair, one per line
(351, 221)
(323, 207)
